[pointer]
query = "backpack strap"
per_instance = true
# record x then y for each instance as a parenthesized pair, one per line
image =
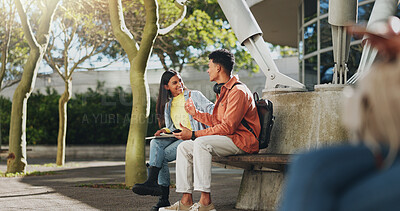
(256, 97)
(246, 125)
(235, 84)
(244, 122)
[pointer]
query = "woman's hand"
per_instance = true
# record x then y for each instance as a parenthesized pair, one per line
(160, 131)
(186, 134)
(189, 107)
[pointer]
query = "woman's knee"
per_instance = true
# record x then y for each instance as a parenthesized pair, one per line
(156, 143)
(153, 143)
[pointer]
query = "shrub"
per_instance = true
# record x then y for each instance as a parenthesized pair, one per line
(94, 117)
(5, 114)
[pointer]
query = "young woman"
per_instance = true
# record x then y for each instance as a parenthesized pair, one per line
(171, 114)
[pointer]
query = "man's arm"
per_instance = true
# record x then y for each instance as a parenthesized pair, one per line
(190, 108)
(202, 103)
(236, 107)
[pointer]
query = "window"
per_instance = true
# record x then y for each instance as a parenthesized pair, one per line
(354, 59)
(310, 72)
(310, 10)
(323, 7)
(310, 38)
(301, 49)
(301, 75)
(315, 42)
(364, 11)
(326, 67)
(326, 34)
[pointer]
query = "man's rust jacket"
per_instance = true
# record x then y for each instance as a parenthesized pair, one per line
(234, 103)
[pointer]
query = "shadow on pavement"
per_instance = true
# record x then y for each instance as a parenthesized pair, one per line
(61, 190)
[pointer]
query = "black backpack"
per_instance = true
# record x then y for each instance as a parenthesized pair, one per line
(265, 113)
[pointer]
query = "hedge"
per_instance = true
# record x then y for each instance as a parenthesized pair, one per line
(95, 117)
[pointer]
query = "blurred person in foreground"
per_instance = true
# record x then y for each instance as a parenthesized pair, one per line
(362, 175)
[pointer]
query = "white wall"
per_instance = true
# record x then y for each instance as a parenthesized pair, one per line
(193, 79)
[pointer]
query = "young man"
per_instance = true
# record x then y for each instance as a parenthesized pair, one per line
(225, 136)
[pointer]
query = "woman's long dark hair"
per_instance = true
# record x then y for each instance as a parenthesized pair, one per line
(164, 96)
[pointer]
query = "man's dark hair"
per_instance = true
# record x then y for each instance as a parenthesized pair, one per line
(224, 58)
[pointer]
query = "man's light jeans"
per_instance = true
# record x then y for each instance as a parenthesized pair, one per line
(193, 161)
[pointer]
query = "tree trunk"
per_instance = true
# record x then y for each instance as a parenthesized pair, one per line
(16, 161)
(135, 171)
(62, 124)
(135, 151)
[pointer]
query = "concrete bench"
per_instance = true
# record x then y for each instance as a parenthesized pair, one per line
(262, 179)
(304, 121)
(255, 162)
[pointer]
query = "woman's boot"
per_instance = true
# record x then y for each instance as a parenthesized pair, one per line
(150, 187)
(163, 201)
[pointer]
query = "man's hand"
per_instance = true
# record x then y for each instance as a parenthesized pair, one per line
(160, 131)
(189, 107)
(186, 134)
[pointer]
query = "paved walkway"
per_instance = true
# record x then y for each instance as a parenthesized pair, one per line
(61, 192)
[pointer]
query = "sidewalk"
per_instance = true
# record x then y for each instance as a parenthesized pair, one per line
(60, 191)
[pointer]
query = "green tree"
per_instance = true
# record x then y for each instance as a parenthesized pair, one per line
(14, 49)
(84, 30)
(17, 143)
(135, 170)
(8, 24)
(204, 29)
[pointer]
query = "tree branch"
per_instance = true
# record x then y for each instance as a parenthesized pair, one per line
(26, 27)
(4, 53)
(50, 46)
(10, 83)
(94, 52)
(183, 9)
(150, 30)
(68, 43)
(95, 68)
(47, 15)
(124, 37)
(165, 43)
(52, 64)
(162, 60)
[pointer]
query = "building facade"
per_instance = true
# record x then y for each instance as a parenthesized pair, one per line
(315, 42)
(303, 24)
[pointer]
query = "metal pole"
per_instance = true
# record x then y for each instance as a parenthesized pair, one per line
(249, 34)
(341, 13)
